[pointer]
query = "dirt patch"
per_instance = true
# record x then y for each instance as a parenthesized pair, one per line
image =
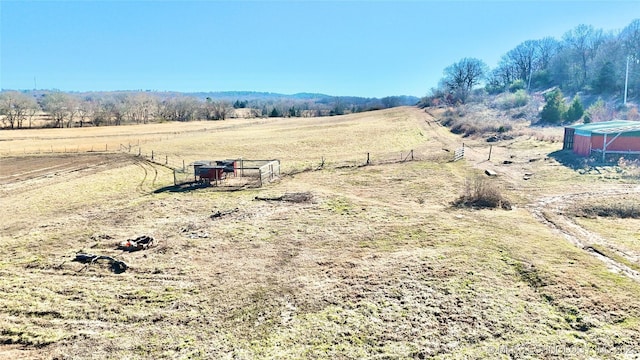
(21, 168)
(20, 172)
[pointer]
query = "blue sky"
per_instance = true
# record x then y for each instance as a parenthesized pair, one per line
(359, 48)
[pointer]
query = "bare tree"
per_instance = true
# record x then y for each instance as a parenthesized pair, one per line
(58, 105)
(630, 38)
(582, 42)
(180, 108)
(32, 111)
(139, 107)
(221, 110)
(114, 109)
(547, 48)
(85, 110)
(461, 77)
(207, 109)
(523, 58)
(72, 109)
(15, 107)
(100, 115)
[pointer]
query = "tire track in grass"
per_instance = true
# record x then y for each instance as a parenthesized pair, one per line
(550, 211)
(147, 167)
(140, 164)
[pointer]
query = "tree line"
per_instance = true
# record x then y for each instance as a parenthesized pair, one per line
(585, 60)
(57, 109)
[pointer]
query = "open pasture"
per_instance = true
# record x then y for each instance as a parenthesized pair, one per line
(375, 263)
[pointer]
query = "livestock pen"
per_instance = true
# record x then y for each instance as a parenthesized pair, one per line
(230, 172)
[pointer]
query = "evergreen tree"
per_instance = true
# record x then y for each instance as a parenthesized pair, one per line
(554, 109)
(606, 79)
(575, 110)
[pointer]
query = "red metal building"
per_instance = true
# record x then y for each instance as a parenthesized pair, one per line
(608, 137)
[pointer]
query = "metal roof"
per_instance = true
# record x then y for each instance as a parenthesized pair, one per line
(607, 127)
(621, 129)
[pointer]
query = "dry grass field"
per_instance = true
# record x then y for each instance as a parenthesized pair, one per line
(376, 263)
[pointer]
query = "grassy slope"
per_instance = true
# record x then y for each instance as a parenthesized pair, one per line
(377, 265)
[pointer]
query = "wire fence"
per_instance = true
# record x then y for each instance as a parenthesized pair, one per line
(69, 149)
(256, 173)
(171, 162)
(228, 173)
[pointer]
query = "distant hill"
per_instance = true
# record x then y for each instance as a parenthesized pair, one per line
(256, 95)
(253, 96)
(100, 108)
(314, 97)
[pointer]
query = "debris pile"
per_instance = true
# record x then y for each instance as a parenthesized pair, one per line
(219, 214)
(297, 197)
(117, 266)
(140, 243)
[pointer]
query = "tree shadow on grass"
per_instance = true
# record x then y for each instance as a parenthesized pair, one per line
(569, 159)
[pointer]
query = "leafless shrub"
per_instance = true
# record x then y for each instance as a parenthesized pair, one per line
(550, 135)
(481, 193)
(476, 127)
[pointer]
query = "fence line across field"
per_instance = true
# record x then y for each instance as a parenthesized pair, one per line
(253, 167)
(255, 172)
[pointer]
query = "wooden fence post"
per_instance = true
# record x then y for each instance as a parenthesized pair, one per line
(490, 148)
(368, 160)
(151, 155)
